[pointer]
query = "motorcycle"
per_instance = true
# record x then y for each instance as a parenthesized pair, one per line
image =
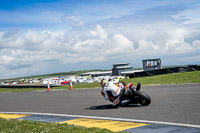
(135, 96)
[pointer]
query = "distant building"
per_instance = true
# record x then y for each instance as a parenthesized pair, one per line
(152, 64)
(130, 74)
(96, 74)
(120, 67)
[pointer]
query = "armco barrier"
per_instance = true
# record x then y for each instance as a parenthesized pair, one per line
(166, 71)
(25, 86)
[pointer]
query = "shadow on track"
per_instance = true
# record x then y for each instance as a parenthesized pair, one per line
(110, 106)
(100, 107)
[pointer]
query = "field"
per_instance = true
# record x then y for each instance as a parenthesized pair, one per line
(25, 126)
(176, 78)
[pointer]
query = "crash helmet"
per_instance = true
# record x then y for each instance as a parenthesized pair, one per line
(103, 82)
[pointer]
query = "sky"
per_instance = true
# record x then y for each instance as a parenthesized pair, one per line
(51, 36)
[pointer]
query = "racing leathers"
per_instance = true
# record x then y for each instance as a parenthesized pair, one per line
(113, 93)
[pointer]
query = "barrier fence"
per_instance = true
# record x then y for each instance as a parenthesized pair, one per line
(166, 71)
(26, 86)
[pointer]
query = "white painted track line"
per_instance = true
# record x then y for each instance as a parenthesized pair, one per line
(108, 118)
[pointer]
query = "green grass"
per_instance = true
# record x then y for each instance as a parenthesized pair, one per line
(26, 126)
(75, 86)
(20, 90)
(176, 78)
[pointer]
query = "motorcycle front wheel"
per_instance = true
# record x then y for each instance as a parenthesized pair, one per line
(144, 99)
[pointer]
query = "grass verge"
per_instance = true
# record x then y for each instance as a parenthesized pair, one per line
(19, 89)
(26, 126)
(175, 78)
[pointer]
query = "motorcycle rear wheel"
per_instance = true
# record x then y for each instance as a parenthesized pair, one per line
(144, 99)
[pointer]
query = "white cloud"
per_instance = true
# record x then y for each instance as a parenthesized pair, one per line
(196, 44)
(121, 39)
(48, 50)
(99, 33)
(47, 47)
(102, 34)
(10, 39)
(7, 59)
(74, 21)
(120, 45)
(177, 47)
(147, 48)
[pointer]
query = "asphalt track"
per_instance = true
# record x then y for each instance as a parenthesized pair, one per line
(170, 103)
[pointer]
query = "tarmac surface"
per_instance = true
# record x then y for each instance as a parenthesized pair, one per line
(170, 104)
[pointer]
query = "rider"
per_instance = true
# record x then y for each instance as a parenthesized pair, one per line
(115, 93)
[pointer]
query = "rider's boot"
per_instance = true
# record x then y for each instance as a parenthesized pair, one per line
(125, 102)
(138, 86)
